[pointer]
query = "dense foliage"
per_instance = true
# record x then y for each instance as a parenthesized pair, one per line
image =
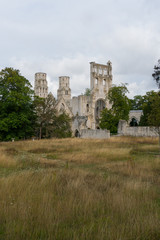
(119, 110)
(16, 106)
(22, 115)
(147, 107)
(137, 102)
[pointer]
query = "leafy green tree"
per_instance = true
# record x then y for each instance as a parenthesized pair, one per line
(119, 110)
(62, 126)
(120, 102)
(137, 102)
(16, 106)
(109, 120)
(156, 74)
(147, 107)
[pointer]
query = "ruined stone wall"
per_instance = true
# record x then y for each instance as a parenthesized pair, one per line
(97, 133)
(125, 130)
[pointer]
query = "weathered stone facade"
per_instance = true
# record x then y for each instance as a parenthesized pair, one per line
(84, 110)
(40, 85)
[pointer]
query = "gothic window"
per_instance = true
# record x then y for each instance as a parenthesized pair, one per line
(66, 92)
(104, 82)
(96, 81)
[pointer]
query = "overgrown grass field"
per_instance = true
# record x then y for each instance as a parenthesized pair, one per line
(80, 189)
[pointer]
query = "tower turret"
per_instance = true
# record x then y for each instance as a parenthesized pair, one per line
(64, 89)
(41, 85)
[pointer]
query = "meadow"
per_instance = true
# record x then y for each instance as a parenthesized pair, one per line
(80, 189)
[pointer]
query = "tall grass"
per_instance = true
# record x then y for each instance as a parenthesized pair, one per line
(80, 189)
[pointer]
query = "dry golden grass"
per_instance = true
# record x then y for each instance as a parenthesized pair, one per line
(80, 189)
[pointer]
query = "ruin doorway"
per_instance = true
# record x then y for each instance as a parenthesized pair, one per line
(77, 134)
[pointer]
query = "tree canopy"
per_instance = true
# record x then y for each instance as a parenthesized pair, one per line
(119, 110)
(137, 102)
(147, 107)
(16, 106)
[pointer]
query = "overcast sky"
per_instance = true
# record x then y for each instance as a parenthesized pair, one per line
(61, 37)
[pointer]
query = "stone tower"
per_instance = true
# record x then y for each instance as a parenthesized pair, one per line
(100, 83)
(41, 85)
(64, 90)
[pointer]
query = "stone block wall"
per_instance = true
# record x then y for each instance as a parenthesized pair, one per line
(97, 133)
(125, 130)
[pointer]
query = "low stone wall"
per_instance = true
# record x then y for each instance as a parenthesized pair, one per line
(97, 133)
(140, 132)
(125, 130)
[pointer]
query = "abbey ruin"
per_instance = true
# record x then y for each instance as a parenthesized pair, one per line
(84, 110)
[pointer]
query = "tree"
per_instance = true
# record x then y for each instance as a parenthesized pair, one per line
(46, 112)
(156, 74)
(154, 115)
(137, 102)
(109, 120)
(16, 106)
(49, 123)
(147, 107)
(120, 108)
(62, 126)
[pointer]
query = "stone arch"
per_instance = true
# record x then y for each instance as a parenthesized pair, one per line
(77, 134)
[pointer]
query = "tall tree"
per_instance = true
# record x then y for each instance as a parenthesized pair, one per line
(49, 122)
(156, 74)
(46, 111)
(119, 110)
(16, 106)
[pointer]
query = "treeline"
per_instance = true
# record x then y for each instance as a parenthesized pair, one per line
(23, 115)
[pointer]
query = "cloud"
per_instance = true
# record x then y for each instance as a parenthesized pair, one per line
(62, 37)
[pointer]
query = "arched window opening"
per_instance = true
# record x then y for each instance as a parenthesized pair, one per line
(133, 122)
(104, 82)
